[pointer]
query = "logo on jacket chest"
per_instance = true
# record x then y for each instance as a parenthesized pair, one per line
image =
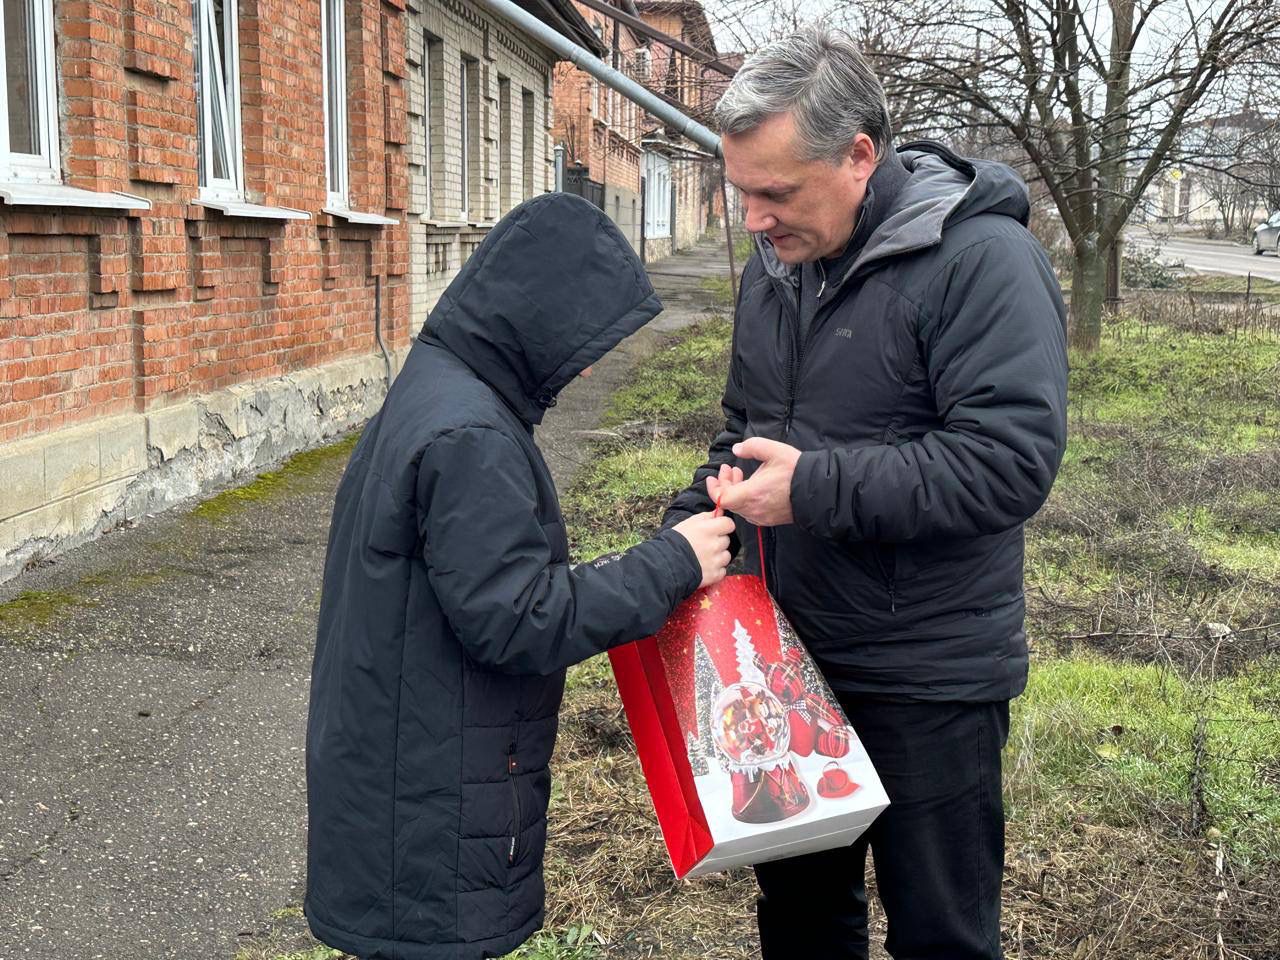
(844, 332)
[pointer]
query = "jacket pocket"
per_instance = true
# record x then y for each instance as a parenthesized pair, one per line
(887, 562)
(513, 850)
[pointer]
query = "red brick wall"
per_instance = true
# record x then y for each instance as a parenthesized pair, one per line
(612, 154)
(103, 313)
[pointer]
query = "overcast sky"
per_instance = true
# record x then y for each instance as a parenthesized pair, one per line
(740, 23)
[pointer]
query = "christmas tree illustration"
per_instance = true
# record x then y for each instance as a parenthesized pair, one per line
(748, 668)
(706, 688)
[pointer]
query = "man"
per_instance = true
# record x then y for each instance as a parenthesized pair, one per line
(896, 397)
(449, 610)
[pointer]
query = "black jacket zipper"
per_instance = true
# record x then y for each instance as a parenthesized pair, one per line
(890, 579)
(796, 358)
(793, 358)
(515, 798)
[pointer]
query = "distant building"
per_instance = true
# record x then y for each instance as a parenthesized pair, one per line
(599, 129)
(1228, 156)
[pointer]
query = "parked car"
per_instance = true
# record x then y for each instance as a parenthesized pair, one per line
(1266, 235)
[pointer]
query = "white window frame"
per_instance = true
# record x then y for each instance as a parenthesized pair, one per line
(465, 152)
(209, 77)
(528, 144)
(427, 40)
(44, 166)
(334, 71)
(506, 169)
(657, 206)
(642, 63)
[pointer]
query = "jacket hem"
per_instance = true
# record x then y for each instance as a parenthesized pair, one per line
(379, 948)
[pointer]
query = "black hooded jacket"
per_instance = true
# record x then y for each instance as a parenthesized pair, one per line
(449, 610)
(929, 399)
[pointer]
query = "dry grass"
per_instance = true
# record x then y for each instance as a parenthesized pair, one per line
(1159, 528)
(606, 862)
(1143, 774)
(1109, 892)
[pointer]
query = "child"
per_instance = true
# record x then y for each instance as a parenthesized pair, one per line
(450, 612)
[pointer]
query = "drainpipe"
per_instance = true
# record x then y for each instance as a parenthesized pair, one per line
(377, 325)
(584, 59)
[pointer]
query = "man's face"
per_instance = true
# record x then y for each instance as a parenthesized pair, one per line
(808, 208)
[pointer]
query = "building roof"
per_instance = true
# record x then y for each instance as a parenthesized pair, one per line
(1246, 119)
(697, 29)
(564, 17)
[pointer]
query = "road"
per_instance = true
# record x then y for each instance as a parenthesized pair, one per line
(1209, 256)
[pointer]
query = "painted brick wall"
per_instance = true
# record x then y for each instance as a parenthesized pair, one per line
(443, 235)
(599, 127)
(103, 314)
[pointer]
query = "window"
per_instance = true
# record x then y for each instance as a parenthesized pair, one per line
(464, 104)
(505, 173)
(527, 142)
(334, 45)
(28, 100)
(658, 198)
(218, 91)
(432, 61)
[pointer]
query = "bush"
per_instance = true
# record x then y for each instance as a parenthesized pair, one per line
(1143, 270)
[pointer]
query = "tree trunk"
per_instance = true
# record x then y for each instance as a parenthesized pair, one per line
(1088, 289)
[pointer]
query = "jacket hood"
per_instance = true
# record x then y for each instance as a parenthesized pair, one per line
(552, 288)
(941, 190)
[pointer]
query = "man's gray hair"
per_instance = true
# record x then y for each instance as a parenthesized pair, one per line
(819, 75)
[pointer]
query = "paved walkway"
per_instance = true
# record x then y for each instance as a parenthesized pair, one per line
(153, 695)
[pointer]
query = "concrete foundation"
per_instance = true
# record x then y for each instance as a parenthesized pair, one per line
(63, 489)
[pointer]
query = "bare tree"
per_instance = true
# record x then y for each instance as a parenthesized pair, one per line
(1092, 93)
(1233, 158)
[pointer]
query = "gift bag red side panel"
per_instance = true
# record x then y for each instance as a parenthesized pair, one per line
(646, 698)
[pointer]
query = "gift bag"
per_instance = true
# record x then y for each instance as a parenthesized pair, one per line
(746, 752)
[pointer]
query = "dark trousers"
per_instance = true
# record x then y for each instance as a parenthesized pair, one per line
(938, 848)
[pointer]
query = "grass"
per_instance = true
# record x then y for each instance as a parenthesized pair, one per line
(720, 287)
(620, 496)
(1251, 548)
(1163, 514)
(1119, 741)
(1139, 757)
(37, 607)
(1211, 392)
(680, 383)
(1143, 771)
(318, 952)
(1229, 283)
(298, 468)
(576, 943)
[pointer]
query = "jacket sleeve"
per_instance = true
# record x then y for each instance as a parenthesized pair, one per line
(994, 349)
(489, 562)
(693, 498)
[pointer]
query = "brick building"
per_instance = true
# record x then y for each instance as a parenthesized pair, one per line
(599, 128)
(680, 182)
(222, 223)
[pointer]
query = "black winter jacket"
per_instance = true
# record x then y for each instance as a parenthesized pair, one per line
(449, 610)
(929, 398)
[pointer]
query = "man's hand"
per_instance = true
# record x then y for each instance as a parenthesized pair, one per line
(765, 499)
